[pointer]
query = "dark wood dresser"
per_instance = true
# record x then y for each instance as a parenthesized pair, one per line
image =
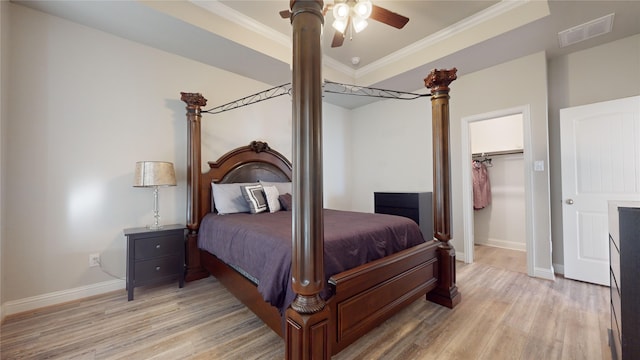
(417, 206)
(154, 255)
(624, 259)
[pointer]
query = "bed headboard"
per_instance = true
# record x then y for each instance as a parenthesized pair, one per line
(251, 163)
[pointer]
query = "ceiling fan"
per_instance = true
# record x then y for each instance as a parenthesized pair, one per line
(353, 14)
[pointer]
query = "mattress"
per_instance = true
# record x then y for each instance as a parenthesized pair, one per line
(259, 245)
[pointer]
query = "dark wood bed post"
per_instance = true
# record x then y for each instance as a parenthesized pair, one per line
(446, 293)
(194, 103)
(307, 325)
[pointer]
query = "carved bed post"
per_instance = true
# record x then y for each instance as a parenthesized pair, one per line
(194, 102)
(446, 293)
(307, 326)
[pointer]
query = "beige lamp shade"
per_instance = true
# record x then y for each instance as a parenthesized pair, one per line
(154, 173)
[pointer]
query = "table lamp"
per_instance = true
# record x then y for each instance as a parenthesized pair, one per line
(154, 174)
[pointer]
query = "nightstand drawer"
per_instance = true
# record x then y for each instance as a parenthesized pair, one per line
(616, 304)
(157, 268)
(158, 246)
(614, 263)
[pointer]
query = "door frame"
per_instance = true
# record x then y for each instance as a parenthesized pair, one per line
(467, 193)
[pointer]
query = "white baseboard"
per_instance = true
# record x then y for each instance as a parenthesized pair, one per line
(542, 273)
(59, 297)
(511, 245)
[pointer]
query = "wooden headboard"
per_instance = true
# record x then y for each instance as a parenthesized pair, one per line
(256, 161)
(251, 163)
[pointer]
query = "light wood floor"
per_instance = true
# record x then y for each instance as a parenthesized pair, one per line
(512, 260)
(504, 314)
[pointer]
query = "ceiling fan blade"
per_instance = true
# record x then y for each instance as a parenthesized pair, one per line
(338, 39)
(388, 17)
(285, 14)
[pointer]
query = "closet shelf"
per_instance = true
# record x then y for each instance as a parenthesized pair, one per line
(494, 153)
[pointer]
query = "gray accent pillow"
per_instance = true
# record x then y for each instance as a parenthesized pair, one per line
(254, 195)
(228, 198)
(285, 201)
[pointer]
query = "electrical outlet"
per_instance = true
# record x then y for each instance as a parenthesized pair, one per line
(94, 260)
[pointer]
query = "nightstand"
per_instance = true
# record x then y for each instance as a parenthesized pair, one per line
(417, 206)
(154, 256)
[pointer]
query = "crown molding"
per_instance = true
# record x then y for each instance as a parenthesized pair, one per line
(338, 66)
(504, 6)
(216, 7)
(464, 25)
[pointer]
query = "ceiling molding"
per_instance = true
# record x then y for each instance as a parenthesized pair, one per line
(468, 23)
(338, 66)
(216, 7)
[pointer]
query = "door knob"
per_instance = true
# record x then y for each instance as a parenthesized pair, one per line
(569, 201)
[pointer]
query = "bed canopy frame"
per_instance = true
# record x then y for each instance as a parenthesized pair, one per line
(331, 87)
(307, 332)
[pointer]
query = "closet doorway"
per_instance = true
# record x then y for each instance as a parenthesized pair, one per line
(497, 144)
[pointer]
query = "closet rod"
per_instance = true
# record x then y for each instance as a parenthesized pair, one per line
(494, 153)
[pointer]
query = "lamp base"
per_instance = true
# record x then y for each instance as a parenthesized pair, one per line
(156, 214)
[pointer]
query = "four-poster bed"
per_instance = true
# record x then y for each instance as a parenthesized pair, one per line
(363, 296)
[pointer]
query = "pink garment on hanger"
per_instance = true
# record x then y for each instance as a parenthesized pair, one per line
(481, 185)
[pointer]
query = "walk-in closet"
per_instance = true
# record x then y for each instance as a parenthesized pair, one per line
(498, 181)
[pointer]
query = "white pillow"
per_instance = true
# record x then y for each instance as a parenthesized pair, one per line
(228, 198)
(271, 193)
(283, 187)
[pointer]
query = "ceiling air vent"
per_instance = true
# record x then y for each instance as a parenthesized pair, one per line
(586, 31)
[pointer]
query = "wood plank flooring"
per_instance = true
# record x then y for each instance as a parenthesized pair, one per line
(504, 314)
(513, 260)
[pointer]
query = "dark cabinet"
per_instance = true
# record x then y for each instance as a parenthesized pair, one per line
(624, 259)
(417, 206)
(154, 255)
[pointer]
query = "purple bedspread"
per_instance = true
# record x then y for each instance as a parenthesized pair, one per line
(260, 244)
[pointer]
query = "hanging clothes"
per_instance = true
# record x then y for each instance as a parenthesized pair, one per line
(481, 185)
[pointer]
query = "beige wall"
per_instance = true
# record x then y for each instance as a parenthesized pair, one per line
(4, 50)
(391, 142)
(85, 106)
(517, 83)
(337, 164)
(390, 149)
(607, 72)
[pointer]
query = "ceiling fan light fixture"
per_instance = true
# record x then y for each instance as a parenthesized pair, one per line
(340, 24)
(359, 23)
(363, 8)
(341, 11)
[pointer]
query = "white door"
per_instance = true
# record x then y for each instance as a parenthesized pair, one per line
(600, 145)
